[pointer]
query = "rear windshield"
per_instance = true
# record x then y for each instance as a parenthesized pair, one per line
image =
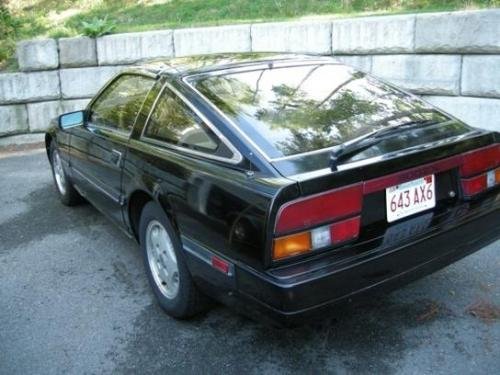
(291, 110)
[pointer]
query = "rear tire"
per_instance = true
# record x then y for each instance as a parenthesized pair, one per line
(67, 193)
(165, 266)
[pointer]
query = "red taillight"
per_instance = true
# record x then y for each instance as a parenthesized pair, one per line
(345, 230)
(479, 161)
(320, 208)
(474, 185)
(479, 170)
(308, 216)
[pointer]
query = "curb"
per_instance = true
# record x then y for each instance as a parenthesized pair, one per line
(22, 143)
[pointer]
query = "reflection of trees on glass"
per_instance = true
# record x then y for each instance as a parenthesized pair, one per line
(297, 109)
(238, 94)
(173, 122)
(316, 124)
(120, 103)
(200, 61)
(415, 137)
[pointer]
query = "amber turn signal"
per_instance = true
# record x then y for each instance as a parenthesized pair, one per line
(294, 244)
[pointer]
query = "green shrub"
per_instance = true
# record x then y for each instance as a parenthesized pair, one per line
(8, 32)
(61, 32)
(97, 27)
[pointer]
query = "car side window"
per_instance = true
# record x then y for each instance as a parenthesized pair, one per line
(119, 104)
(172, 121)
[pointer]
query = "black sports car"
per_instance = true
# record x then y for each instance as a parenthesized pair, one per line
(280, 185)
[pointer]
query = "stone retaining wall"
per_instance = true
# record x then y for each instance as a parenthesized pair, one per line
(451, 59)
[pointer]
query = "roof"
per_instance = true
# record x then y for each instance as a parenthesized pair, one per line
(182, 66)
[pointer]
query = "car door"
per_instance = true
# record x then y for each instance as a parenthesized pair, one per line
(111, 117)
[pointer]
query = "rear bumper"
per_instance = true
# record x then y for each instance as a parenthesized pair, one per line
(290, 295)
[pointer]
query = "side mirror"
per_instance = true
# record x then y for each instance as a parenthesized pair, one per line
(69, 120)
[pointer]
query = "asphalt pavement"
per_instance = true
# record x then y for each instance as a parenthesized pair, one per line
(74, 299)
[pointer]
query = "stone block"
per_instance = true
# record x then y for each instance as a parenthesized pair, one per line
(29, 87)
(85, 82)
(423, 74)
(37, 54)
(481, 75)
(363, 63)
(380, 35)
(479, 112)
(14, 119)
(206, 40)
(468, 31)
(40, 114)
(74, 105)
(132, 47)
(77, 52)
(309, 37)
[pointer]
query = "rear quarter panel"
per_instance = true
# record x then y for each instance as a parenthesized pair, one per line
(216, 205)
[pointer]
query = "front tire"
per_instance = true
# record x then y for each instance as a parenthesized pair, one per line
(67, 193)
(165, 267)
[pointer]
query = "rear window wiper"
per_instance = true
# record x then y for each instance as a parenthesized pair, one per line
(346, 151)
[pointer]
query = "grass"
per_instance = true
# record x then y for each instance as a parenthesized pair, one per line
(22, 19)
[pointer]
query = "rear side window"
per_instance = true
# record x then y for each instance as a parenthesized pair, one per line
(118, 105)
(172, 121)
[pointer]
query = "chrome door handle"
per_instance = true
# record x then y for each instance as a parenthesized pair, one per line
(116, 157)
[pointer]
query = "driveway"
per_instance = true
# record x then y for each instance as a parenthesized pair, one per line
(74, 299)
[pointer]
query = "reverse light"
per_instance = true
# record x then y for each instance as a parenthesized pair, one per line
(321, 237)
(490, 179)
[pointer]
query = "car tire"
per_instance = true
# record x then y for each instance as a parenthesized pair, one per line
(67, 193)
(165, 266)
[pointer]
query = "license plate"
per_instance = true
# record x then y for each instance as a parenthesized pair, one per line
(410, 198)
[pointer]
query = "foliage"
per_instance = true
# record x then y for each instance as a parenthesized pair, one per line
(22, 19)
(97, 27)
(61, 32)
(153, 14)
(8, 27)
